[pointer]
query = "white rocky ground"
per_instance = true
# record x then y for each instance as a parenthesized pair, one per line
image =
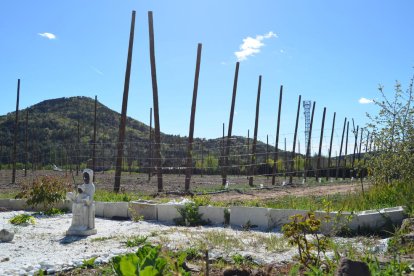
(45, 246)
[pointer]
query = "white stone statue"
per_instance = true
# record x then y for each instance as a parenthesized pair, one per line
(83, 207)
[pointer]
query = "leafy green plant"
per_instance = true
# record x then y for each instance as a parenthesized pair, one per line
(302, 232)
(22, 219)
(148, 261)
(136, 241)
(45, 190)
(145, 261)
(241, 260)
(190, 216)
(88, 263)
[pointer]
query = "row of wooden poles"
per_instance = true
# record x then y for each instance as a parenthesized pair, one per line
(229, 134)
(227, 142)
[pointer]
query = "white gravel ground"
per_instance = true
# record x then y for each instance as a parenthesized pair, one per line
(45, 246)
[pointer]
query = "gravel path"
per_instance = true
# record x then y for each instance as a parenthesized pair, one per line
(45, 246)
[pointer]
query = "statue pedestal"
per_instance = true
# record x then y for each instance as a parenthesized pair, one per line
(83, 220)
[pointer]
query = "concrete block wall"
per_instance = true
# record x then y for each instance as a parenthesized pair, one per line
(256, 216)
(4, 202)
(263, 218)
(279, 217)
(214, 214)
(99, 209)
(115, 210)
(148, 210)
(168, 212)
(376, 219)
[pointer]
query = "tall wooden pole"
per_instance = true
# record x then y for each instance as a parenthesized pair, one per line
(248, 153)
(366, 148)
(346, 149)
(26, 149)
(267, 156)
(229, 131)
(202, 158)
(308, 146)
(192, 120)
(286, 160)
(122, 124)
(256, 127)
(78, 149)
(355, 149)
(150, 147)
(292, 161)
(222, 150)
(360, 145)
(16, 130)
(158, 165)
(318, 166)
(94, 139)
(338, 161)
(330, 148)
(276, 157)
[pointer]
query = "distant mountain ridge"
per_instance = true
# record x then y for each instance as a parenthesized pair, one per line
(53, 124)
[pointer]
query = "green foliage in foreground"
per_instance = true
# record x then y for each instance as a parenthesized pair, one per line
(22, 219)
(148, 261)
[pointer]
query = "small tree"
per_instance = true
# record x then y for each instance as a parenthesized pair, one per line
(393, 132)
(45, 190)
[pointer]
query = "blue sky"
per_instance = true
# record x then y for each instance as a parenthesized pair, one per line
(331, 52)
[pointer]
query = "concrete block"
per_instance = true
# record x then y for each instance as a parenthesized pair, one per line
(257, 216)
(99, 209)
(214, 214)
(115, 209)
(168, 212)
(279, 217)
(143, 208)
(395, 214)
(5, 203)
(18, 204)
(377, 219)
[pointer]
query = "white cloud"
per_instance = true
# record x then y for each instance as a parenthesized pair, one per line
(251, 46)
(47, 35)
(282, 51)
(365, 101)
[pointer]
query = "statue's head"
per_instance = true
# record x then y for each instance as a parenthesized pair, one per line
(87, 176)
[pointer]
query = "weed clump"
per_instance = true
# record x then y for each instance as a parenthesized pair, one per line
(190, 216)
(22, 219)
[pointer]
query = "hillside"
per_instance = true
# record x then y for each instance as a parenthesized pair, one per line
(53, 134)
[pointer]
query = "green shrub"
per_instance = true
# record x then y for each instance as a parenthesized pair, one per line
(190, 216)
(302, 232)
(45, 190)
(22, 219)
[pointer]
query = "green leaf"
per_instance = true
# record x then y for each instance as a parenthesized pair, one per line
(126, 265)
(149, 271)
